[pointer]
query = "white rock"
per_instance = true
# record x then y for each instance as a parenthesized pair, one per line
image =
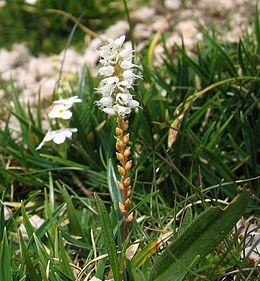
(23, 78)
(7, 213)
(187, 28)
(20, 54)
(47, 87)
(6, 60)
(143, 14)
(119, 28)
(35, 221)
(172, 4)
(142, 31)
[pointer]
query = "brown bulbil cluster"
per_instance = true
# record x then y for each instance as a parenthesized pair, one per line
(123, 152)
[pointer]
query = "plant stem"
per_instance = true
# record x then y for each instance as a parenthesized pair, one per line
(123, 152)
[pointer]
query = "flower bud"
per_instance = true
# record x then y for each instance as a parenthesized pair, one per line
(119, 145)
(128, 165)
(130, 217)
(122, 207)
(128, 202)
(121, 170)
(126, 139)
(119, 131)
(124, 126)
(128, 192)
(127, 182)
(120, 157)
(120, 185)
(127, 152)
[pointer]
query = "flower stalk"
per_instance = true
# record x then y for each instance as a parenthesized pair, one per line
(123, 152)
(118, 75)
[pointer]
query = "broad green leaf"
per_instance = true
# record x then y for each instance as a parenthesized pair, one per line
(109, 240)
(200, 238)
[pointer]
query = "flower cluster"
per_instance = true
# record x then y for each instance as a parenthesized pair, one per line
(60, 109)
(118, 78)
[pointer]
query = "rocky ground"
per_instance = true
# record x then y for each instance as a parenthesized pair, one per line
(175, 18)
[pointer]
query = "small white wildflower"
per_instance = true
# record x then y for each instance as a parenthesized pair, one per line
(106, 70)
(105, 102)
(122, 111)
(126, 54)
(134, 104)
(109, 110)
(60, 111)
(69, 101)
(57, 136)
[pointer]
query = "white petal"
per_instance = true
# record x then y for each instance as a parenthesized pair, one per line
(63, 114)
(119, 41)
(134, 103)
(125, 84)
(124, 98)
(106, 101)
(66, 115)
(126, 64)
(59, 138)
(122, 111)
(126, 53)
(106, 70)
(109, 110)
(110, 80)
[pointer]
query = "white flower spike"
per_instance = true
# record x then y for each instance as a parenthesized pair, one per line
(118, 72)
(57, 136)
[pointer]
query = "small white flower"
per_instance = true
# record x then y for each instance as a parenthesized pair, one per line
(123, 98)
(60, 111)
(57, 136)
(122, 111)
(105, 102)
(125, 84)
(109, 110)
(134, 104)
(106, 70)
(126, 54)
(126, 64)
(69, 101)
(119, 41)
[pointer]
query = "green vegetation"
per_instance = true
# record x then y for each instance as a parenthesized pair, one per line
(45, 26)
(180, 181)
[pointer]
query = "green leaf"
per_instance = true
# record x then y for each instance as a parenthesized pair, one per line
(75, 226)
(199, 239)
(64, 259)
(5, 259)
(109, 240)
(30, 268)
(114, 190)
